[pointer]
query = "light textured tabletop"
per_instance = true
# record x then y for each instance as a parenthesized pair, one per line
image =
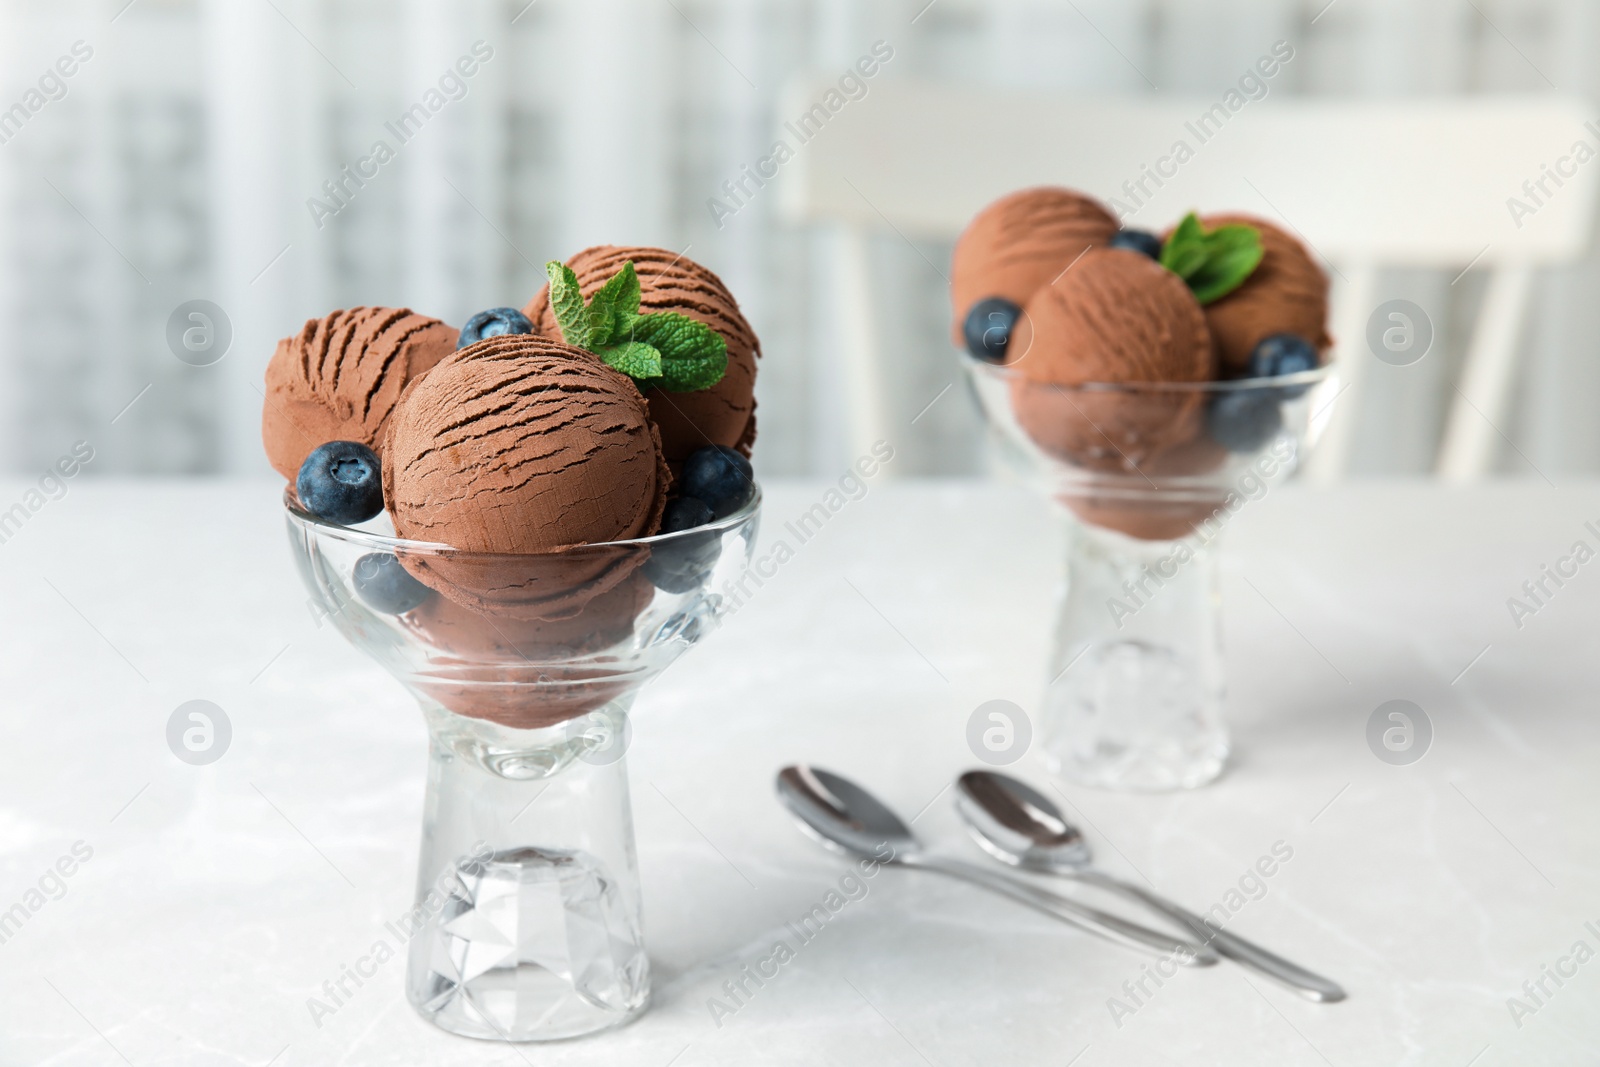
(216, 900)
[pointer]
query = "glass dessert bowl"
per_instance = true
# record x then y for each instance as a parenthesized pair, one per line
(1151, 473)
(527, 921)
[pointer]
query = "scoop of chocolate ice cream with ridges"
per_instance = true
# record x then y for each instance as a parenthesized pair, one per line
(721, 415)
(1115, 317)
(1021, 243)
(340, 377)
(1287, 293)
(524, 455)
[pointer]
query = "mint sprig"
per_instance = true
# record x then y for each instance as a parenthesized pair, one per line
(666, 349)
(1213, 262)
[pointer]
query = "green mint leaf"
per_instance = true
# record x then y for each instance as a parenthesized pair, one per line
(1185, 251)
(1186, 261)
(1213, 263)
(693, 355)
(566, 300)
(1232, 255)
(614, 307)
(1189, 229)
(636, 359)
(598, 315)
(692, 375)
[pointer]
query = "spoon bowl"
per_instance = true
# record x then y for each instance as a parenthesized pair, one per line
(1017, 824)
(841, 815)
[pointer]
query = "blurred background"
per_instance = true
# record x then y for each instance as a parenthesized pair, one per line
(179, 160)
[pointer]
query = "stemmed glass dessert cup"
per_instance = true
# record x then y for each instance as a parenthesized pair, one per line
(527, 918)
(1151, 475)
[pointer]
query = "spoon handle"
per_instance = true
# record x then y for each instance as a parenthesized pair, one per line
(1093, 920)
(1246, 953)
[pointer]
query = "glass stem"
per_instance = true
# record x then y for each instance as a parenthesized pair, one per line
(1134, 699)
(527, 921)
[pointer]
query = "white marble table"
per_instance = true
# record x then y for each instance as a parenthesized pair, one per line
(218, 899)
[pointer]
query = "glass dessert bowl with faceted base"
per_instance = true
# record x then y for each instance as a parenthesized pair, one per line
(527, 918)
(1151, 474)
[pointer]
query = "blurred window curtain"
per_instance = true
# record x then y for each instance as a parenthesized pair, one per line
(180, 161)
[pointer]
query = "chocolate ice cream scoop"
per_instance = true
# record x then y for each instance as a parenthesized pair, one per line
(484, 663)
(528, 449)
(1022, 242)
(1115, 317)
(339, 378)
(721, 415)
(1287, 293)
(1167, 498)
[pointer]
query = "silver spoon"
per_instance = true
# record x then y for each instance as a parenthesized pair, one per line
(1015, 823)
(845, 817)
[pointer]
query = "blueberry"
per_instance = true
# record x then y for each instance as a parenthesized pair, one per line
(386, 586)
(720, 478)
(681, 564)
(493, 323)
(340, 482)
(988, 326)
(1142, 241)
(1280, 354)
(1243, 420)
(685, 513)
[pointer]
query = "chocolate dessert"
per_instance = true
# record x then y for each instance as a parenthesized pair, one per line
(339, 378)
(721, 415)
(1021, 243)
(1287, 293)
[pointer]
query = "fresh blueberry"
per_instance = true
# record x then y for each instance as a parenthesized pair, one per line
(493, 323)
(720, 478)
(1142, 241)
(340, 482)
(1281, 354)
(988, 326)
(685, 513)
(386, 586)
(1243, 420)
(681, 564)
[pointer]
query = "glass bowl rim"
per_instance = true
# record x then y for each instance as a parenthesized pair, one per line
(1007, 372)
(381, 542)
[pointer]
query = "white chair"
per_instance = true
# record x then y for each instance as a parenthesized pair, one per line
(1367, 184)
